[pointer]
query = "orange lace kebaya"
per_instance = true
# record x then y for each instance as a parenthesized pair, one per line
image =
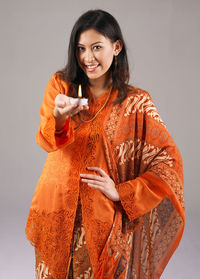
(133, 238)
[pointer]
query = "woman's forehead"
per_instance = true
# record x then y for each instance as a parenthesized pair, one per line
(91, 36)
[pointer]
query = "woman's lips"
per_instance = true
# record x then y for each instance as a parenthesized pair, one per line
(91, 68)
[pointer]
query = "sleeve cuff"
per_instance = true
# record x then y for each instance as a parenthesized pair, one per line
(140, 195)
(47, 137)
(65, 134)
(127, 197)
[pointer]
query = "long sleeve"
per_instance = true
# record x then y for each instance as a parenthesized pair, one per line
(46, 136)
(139, 196)
(158, 161)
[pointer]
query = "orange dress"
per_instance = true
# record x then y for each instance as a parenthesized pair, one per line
(133, 238)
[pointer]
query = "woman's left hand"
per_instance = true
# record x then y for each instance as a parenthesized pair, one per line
(103, 183)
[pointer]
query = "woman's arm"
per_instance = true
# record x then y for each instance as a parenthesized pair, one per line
(47, 136)
(156, 160)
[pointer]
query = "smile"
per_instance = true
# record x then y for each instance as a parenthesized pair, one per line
(91, 67)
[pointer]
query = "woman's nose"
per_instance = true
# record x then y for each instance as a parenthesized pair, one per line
(89, 56)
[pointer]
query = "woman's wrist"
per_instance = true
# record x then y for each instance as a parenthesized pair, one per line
(60, 124)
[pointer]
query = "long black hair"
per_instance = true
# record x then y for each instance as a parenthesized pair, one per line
(105, 24)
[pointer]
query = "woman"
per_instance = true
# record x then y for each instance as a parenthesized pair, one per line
(109, 202)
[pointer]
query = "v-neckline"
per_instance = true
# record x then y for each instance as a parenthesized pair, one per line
(100, 98)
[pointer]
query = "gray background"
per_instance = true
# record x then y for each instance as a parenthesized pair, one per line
(163, 38)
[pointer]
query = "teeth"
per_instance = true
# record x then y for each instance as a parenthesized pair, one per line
(91, 67)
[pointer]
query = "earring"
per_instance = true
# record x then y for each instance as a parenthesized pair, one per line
(115, 61)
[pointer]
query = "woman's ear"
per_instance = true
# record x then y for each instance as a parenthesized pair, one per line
(117, 47)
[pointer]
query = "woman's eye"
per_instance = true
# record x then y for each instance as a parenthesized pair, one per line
(80, 48)
(97, 47)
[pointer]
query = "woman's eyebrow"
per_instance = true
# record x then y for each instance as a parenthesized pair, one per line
(79, 44)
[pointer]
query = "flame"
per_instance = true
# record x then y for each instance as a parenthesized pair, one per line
(79, 91)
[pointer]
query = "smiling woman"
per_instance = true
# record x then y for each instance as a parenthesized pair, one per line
(109, 202)
(95, 56)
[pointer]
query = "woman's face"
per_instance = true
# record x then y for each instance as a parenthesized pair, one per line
(95, 54)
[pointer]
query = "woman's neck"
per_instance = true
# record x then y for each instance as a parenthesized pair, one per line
(98, 87)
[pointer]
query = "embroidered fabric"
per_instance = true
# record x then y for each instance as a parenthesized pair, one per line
(131, 143)
(80, 266)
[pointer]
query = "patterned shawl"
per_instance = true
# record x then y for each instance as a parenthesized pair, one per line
(145, 161)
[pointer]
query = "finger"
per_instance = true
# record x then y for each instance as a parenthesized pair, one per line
(85, 107)
(99, 170)
(95, 186)
(69, 109)
(63, 111)
(95, 182)
(60, 104)
(92, 177)
(65, 106)
(61, 98)
(77, 110)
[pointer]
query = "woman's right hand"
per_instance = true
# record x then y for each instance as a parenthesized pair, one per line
(64, 109)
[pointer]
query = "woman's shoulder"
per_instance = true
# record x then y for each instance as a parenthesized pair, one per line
(57, 81)
(140, 100)
(137, 91)
(137, 95)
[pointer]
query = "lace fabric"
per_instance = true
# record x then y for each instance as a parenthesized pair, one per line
(133, 238)
(80, 266)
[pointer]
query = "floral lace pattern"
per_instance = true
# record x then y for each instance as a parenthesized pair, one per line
(131, 143)
(45, 231)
